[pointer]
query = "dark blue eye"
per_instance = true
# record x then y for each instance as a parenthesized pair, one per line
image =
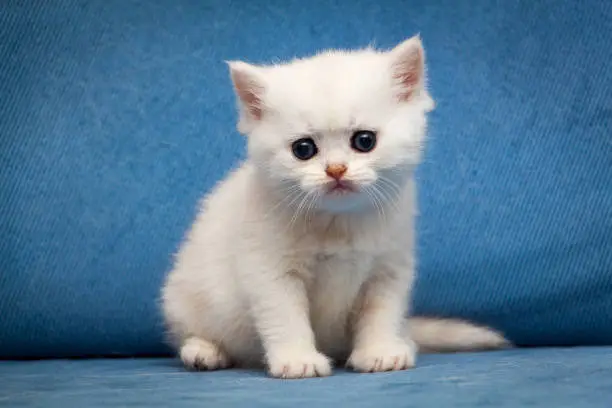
(304, 149)
(363, 141)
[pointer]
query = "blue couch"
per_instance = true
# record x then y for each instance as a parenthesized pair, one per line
(116, 116)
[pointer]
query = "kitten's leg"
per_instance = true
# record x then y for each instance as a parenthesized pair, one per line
(200, 354)
(279, 305)
(378, 342)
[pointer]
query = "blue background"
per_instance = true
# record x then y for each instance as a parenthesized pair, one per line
(116, 116)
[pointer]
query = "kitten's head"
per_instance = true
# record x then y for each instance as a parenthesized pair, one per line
(342, 129)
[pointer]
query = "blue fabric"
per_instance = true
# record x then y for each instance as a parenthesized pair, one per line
(116, 116)
(540, 378)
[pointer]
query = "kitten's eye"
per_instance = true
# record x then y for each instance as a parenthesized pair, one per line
(304, 149)
(363, 141)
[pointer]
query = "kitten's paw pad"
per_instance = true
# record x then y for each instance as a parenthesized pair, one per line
(373, 358)
(202, 355)
(299, 364)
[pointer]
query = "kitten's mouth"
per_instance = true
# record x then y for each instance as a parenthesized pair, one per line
(341, 187)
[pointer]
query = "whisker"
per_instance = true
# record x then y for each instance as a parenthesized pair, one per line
(393, 196)
(297, 212)
(398, 190)
(382, 200)
(292, 194)
(311, 206)
(374, 200)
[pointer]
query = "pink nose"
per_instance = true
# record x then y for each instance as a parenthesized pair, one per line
(336, 171)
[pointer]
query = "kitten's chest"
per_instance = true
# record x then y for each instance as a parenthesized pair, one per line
(336, 282)
(338, 268)
(343, 267)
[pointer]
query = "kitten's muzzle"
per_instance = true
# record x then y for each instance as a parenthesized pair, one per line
(338, 185)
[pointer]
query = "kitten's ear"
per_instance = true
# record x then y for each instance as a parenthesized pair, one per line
(249, 87)
(408, 69)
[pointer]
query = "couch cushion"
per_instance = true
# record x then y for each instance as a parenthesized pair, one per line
(521, 378)
(116, 116)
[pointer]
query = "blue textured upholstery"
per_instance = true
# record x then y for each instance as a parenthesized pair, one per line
(116, 116)
(547, 378)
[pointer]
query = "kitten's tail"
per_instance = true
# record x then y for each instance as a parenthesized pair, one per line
(449, 335)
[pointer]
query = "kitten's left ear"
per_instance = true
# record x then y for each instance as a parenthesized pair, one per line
(408, 70)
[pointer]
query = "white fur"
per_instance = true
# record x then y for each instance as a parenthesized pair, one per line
(276, 270)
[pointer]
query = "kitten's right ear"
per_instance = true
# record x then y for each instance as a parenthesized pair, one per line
(249, 87)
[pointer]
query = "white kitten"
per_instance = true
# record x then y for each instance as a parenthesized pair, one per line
(306, 251)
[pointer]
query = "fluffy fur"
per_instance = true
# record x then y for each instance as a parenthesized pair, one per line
(293, 265)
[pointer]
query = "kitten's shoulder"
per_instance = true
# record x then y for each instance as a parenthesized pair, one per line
(233, 187)
(225, 202)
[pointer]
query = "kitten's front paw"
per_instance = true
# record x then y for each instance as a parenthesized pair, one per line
(298, 364)
(199, 354)
(383, 356)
